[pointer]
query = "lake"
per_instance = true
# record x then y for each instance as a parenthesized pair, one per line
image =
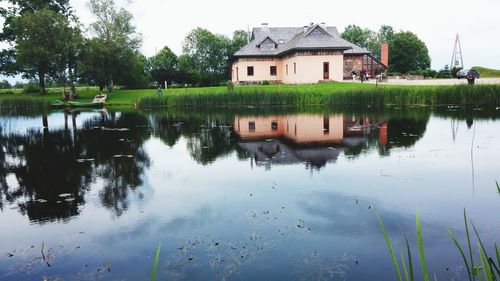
(248, 194)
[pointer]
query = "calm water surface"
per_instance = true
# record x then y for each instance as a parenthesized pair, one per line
(248, 195)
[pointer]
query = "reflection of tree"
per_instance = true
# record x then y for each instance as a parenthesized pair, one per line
(55, 168)
(208, 137)
(120, 160)
(401, 132)
(45, 167)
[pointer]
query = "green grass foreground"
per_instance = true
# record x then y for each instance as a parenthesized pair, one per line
(334, 94)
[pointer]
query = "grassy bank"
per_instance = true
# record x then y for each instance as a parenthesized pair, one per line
(487, 72)
(341, 94)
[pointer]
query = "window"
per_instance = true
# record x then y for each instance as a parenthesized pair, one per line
(317, 31)
(250, 70)
(272, 70)
(281, 41)
(326, 125)
(287, 69)
(294, 68)
(251, 126)
(274, 125)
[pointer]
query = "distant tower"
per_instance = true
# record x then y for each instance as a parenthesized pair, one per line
(457, 60)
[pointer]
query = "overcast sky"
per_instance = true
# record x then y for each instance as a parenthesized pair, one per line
(436, 22)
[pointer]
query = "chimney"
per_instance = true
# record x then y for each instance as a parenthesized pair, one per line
(306, 28)
(384, 54)
(265, 27)
(323, 24)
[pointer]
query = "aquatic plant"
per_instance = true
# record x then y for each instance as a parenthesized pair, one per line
(155, 264)
(480, 95)
(488, 265)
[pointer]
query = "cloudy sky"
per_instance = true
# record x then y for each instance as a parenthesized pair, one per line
(436, 22)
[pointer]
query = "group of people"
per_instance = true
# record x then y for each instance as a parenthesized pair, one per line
(364, 75)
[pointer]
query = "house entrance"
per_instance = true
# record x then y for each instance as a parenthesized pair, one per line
(326, 71)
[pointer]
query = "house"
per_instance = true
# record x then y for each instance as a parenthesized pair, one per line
(306, 54)
(314, 139)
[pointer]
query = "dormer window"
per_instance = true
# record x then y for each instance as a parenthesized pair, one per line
(281, 41)
(317, 31)
(267, 44)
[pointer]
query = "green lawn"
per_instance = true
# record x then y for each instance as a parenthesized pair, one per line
(487, 72)
(129, 97)
(344, 94)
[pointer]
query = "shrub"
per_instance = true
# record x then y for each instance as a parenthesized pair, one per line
(265, 82)
(454, 71)
(31, 88)
(230, 85)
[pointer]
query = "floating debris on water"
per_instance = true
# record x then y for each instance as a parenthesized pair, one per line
(301, 224)
(265, 212)
(63, 195)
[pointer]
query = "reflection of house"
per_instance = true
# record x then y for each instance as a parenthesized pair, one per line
(302, 55)
(312, 139)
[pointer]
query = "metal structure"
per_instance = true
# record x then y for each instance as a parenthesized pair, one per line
(457, 59)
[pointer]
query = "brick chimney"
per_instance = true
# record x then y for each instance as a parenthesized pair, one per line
(384, 54)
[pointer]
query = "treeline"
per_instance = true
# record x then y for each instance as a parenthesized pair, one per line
(49, 44)
(407, 52)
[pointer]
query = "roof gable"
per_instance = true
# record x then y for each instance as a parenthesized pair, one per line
(317, 30)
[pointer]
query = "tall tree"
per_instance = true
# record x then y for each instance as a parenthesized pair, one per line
(210, 54)
(163, 66)
(408, 53)
(359, 36)
(39, 40)
(115, 31)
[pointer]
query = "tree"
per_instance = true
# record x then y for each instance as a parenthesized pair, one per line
(408, 53)
(210, 54)
(39, 42)
(359, 36)
(4, 84)
(117, 36)
(163, 66)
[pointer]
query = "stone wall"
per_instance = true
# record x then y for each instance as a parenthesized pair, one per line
(352, 63)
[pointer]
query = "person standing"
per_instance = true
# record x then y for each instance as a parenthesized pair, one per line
(362, 75)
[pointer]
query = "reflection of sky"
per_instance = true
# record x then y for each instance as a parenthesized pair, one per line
(237, 204)
(55, 121)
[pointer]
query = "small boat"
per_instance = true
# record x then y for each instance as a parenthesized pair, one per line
(101, 98)
(84, 104)
(57, 103)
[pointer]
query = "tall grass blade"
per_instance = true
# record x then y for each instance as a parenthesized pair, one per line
(420, 240)
(155, 264)
(405, 269)
(410, 261)
(498, 187)
(486, 265)
(469, 245)
(497, 254)
(389, 246)
(479, 239)
(469, 272)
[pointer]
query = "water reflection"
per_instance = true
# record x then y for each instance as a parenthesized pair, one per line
(46, 173)
(117, 183)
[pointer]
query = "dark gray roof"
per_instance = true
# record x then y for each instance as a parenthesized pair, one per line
(296, 38)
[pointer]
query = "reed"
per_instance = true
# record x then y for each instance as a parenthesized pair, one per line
(155, 264)
(480, 95)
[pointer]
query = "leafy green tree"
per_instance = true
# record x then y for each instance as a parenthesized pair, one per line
(210, 53)
(240, 39)
(163, 66)
(359, 36)
(39, 39)
(117, 38)
(4, 84)
(408, 53)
